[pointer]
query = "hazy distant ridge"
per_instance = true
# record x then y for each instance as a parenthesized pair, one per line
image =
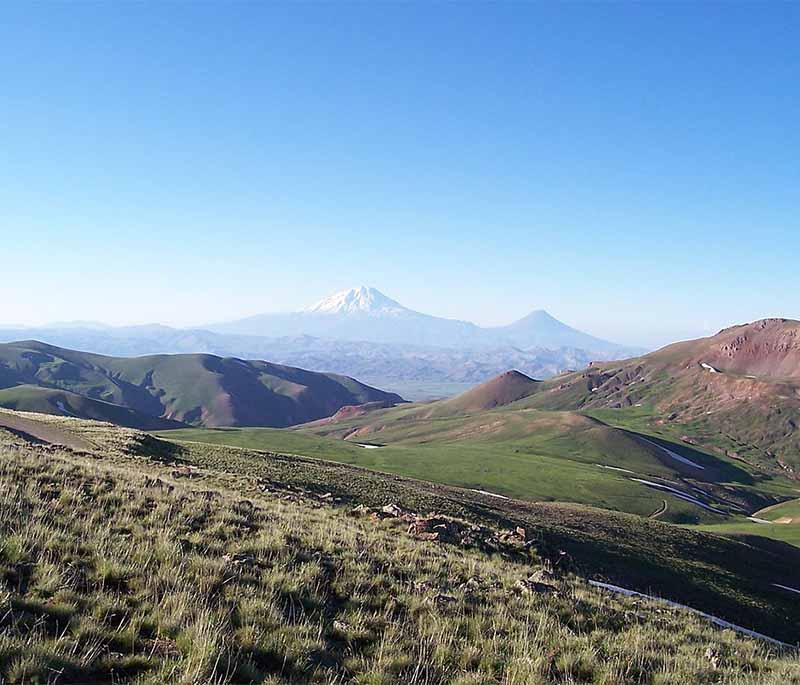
(366, 314)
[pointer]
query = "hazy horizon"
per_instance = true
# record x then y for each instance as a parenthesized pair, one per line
(629, 168)
(83, 323)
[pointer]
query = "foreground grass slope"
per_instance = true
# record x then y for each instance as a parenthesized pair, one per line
(118, 568)
(550, 478)
(730, 578)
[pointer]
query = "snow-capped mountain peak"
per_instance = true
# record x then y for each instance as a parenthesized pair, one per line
(362, 300)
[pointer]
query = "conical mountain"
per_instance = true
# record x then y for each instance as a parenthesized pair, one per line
(500, 391)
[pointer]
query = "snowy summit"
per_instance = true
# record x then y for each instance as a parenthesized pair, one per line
(361, 300)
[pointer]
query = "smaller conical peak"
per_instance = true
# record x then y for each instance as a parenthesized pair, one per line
(540, 315)
(499, 391)
(361, 300)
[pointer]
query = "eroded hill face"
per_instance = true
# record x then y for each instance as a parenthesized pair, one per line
(741, 386)
(766, 349)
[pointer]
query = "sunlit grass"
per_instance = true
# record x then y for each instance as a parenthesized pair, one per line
(107, 576)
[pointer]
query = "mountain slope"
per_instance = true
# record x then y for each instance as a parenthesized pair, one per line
(560, 440)
(196, 389)
(497, 392)
(737, 392)
(540, 329)
(33, 398)
(229, 528)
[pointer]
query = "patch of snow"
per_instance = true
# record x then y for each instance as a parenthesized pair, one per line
(722, 623)
(490, 494)
(614, 468)
(678, 493)
(758, 520)
(708, 367)
(674, 455)
(62, 407)
(369, 447)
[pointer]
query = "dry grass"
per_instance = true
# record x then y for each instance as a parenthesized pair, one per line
(111, 576)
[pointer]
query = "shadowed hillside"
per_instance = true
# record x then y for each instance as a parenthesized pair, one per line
(161, 391)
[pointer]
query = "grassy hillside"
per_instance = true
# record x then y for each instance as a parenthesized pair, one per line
(498, 471)
(232, 566)
(497, 392)
(779, 522)
(557, 455)
(33, 398)
(158, 391)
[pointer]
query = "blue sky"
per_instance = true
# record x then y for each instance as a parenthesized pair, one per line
(632, 168)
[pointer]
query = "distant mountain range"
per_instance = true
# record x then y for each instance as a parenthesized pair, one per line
(165, 391)
(359, 333)
(365, 314)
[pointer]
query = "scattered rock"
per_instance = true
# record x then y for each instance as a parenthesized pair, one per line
(542, 576)
(244, 507)
(392, 510)
(422, 586)
(239, 560)
(184, 472)
(446, 530)
(534, 584)
(442, 599)
(157, 483)
(165, 647)
(475, 586)
(361, 510)
(713, 657)
(513, 538)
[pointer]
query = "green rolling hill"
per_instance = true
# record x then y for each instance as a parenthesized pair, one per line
(160, 391)
(489, 439)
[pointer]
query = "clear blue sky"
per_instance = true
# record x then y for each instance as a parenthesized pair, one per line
(632, 168)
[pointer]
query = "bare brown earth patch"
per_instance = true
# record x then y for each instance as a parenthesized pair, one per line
(42, 432)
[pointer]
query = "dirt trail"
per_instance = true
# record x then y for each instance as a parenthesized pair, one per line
(661, 510)
(42, 432)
